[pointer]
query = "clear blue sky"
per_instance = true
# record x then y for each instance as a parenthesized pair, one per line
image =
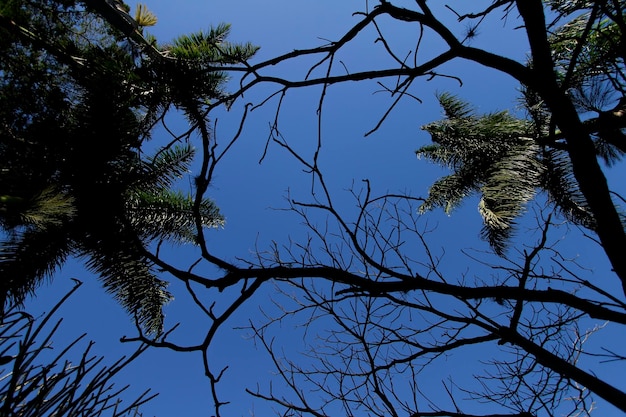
(246, 191)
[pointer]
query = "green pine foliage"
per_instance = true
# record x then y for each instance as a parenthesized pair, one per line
(191, 76)
(79, 95)
(507, 161)
(493, 155)
(497, 157)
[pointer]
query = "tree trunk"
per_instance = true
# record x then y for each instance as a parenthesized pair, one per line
(587, 171)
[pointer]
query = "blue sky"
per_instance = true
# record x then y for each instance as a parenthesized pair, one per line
(248, 192)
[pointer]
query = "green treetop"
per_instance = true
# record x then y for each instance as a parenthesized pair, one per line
(507, 160)
(81, 86)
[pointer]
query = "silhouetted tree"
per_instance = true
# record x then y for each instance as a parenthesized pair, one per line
(384, 311)
(79, 96)
(42, 378)
(507, 160)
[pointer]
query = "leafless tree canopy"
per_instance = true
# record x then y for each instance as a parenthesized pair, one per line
(381, 311)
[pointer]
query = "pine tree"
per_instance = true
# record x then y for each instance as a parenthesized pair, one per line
(79, 94)
(508, 160)
(498, 157)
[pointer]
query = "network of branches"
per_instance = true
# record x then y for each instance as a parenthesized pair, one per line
(379, 308)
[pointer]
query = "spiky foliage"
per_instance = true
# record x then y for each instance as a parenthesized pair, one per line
(589, 47)
(192, 78)
(113, 238)
(144, 17)
(78, 98)
(211, 46)
(589, 53)
(497, 157)
(507, 160)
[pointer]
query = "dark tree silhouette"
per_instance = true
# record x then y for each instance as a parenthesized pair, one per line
(390, 308)
(43, 378)
(382, 308)
(78, 98)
